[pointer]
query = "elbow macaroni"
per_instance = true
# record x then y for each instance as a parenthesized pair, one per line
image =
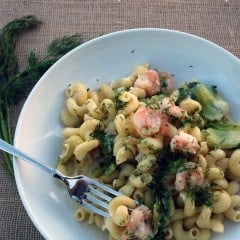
(118, 210)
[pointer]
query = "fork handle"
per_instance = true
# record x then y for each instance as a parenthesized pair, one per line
(6, 147)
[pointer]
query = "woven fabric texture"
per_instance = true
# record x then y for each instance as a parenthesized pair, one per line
(215, 20)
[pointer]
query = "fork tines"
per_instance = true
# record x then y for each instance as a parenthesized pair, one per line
(98, 197)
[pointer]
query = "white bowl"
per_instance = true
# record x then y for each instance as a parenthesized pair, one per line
(103, 59)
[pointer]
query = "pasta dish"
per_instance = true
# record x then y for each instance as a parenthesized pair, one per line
(173, 154)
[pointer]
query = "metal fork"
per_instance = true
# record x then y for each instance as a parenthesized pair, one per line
(91, 194)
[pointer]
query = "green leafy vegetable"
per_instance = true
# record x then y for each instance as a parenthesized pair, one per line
(214, 108)
(14, 84)
(161, 212)
(156, 212)
(169, 164)
(223, 135)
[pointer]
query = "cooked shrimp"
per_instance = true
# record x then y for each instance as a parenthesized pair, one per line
(185, 143)
(181, 180)
(167, 129)
(166, 82)
(169, 108)
(193, 175)
(147, 121)
(149, 82)
(139, 225)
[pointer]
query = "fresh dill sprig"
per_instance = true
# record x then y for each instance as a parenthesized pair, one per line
(64, 44)
(18, 84)
(8, 39)
(201, 195)
(14, 84)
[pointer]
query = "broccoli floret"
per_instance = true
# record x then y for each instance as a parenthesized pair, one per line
(223, 135)
(214, 108)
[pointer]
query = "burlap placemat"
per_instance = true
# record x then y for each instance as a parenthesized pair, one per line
(216, 20)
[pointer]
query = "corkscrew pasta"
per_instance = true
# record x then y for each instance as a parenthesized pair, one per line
(156, 145)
